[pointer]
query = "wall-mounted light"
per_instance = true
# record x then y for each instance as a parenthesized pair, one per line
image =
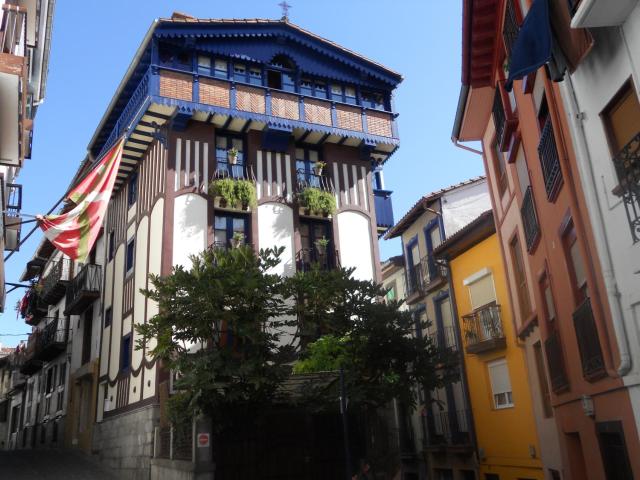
(587, 406)
(532, 451)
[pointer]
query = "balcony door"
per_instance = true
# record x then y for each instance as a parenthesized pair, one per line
(226, 165)
(312, 234)
(413, 265)
(433, 238)
(482, 293)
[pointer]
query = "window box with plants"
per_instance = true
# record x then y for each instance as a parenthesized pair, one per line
(233, 194)
(316, 202)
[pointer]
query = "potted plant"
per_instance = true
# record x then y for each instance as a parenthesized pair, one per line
(317, 202)
(237, 239)
(232, 155)
(232, 193)
(318, 167)
(225, 190)
(321, 246)
(245, 192)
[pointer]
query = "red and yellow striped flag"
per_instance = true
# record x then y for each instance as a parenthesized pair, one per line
(75, 232)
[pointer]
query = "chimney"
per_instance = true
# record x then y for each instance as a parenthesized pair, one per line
(181, 16)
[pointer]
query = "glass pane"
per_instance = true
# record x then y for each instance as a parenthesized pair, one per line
(415, 254)
(445, 312)
(220, 68)
(220, 223)
(434, 233)
(204, 61)
(220, 237)
(551, 309)
(321, 90)
(237, 144)
(221, 142)
(336, 89)
(299, 154)
(578, 265)
(313, 156)
(238, 225)
(304, 236)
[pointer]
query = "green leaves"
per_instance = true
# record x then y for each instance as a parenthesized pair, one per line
(234, 191)
(318, 201)
(236, 332)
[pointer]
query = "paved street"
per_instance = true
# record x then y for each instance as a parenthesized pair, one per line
(49, 465)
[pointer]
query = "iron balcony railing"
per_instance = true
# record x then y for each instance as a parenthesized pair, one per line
(510, 29)
(83, 289)
(52, 340)
(530, 219)
(550, 160)
(308, 257)
(449, 427)
(14, 199)
(588, 340)
(627, 164)
(555, 362)
(239, 171)
(313, 180)
(445, 339)
(384, 209)
(55, 282)
(483, 329)
(422, 276)
(499, 117)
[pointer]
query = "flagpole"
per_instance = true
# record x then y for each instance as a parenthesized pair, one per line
(60, 200)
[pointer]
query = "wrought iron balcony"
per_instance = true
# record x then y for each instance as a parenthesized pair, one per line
(12, 218)
(30, 364)
(588, 341)
(308, 257)
(483, 329)
(384, 209)
(510, 29)
(424, 275)
(530, 219)
(84, 289)
(627, 164)
(504, 118)
(550, 160)
(55, 283)
(313, 180)
(555, 362)
(52, 340)
(33, 308)
(448, 428)
(239, 171)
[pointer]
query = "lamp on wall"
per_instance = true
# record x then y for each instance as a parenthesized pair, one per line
(587, 406)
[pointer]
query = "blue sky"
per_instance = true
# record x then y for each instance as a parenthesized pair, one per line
(94, 41)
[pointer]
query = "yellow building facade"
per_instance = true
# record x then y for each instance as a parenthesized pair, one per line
(497, 378)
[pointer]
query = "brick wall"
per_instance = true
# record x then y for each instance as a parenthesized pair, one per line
(175, 85)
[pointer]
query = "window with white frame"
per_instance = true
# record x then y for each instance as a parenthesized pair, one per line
(500, 383)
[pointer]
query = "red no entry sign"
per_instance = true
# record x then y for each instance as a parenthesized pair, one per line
(203, 440)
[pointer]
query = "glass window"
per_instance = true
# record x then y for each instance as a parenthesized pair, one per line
(500, 383)
(130, 254)
(350, 95)
(239, 73)
(574, 258)
(220, 70)
(373, 100)
(622, 118)
(306, 160)
(225, 226)
(288, 83)
(336, 92)
(125, 353)
(311, 231)
(521, 279)
(482, 292)
(133, 189)
(204, 65)
(108, 313)
(225, 166)
(306, 86)
(320, 89)
(255, 76)
(112, 244)
(542, 380)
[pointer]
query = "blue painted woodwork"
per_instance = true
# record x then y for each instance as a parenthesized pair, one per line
(384, 208)
(258, 43)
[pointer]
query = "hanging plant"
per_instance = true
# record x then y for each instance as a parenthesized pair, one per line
(237, 240)
(245, 192)
(317, 201)
(321, 246)
(319, 167)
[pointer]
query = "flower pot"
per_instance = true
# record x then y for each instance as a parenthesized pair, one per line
(318, 170)
(233, 159)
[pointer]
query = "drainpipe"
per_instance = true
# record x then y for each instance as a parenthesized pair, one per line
(583, 159)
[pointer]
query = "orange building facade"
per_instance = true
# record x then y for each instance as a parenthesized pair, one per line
(561, 312)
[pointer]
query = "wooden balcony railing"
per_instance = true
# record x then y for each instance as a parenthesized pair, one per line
(422, 276)
(84, 289)
(588, 341)
(550, 160)
(483, 329)
(13, 29)
(555, 362)
(627, 164)
(530, 219)
(54, 285)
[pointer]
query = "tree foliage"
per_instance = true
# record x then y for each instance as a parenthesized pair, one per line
(238, 334)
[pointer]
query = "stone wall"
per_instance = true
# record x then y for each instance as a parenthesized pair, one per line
(125, 442)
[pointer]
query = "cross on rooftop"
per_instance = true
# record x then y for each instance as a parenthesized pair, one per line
(285, 9)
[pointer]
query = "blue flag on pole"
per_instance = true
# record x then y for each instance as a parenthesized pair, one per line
(532, 48)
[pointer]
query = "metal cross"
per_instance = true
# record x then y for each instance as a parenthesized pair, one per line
(285, 9)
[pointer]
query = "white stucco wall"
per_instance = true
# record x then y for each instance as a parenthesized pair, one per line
(354, 230)
(189, 228)
(275, 229)
(463, 205)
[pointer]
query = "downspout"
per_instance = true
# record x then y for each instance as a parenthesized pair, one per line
(583, 159)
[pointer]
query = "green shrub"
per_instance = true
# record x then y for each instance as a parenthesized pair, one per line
(318, 201)
(234, 191)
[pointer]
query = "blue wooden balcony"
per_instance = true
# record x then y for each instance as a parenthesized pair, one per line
(384, 209)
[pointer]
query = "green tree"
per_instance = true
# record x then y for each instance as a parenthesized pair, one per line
(240, 336)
